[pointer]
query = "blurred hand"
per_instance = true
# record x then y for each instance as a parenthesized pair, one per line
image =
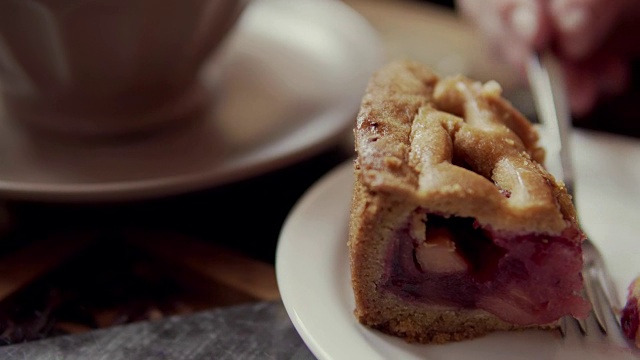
(594, 39)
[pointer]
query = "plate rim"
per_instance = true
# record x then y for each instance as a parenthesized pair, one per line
(309, 198)
(310, 205)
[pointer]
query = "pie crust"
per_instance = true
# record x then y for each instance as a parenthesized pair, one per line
(435, 156)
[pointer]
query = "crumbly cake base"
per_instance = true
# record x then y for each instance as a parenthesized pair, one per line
(384, 311)
(438, 326)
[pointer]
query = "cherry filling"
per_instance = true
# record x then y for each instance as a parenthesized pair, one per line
(630, 320)
(522, 279)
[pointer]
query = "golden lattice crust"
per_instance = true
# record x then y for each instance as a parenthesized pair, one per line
(412, 126)
(412, 132)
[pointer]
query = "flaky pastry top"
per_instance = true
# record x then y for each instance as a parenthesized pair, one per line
(455, 146)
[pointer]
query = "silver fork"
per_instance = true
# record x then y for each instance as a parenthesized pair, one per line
(549, 93)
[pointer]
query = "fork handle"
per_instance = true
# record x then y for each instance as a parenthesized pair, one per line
(549, 91)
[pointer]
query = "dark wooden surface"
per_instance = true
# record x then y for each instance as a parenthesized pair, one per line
(72, 268)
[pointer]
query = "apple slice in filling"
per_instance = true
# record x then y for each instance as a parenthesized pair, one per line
(524, 279)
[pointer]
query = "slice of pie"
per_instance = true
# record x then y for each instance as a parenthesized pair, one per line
(456, 229)
(630, 319)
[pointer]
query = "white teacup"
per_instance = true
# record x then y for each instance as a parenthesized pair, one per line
(96, 67)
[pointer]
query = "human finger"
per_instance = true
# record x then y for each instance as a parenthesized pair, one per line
(614, 76)
(582, 90)
(587, 82)
(582, 25)
(513, 28)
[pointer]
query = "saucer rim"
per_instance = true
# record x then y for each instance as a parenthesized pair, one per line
(245, 166)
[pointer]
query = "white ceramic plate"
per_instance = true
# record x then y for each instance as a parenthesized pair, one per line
(313, 270)
(287, 83)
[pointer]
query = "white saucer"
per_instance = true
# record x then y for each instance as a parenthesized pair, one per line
(312, 265)
(287, 83)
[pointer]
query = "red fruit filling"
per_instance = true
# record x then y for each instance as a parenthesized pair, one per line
(630, 320)
(522, 279)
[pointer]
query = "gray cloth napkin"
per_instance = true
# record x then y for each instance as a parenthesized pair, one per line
(253, 331)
